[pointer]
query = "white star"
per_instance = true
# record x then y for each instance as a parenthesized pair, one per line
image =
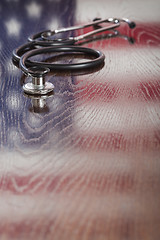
(53, 24)
(14, 136)
(13, 101)
(13, 27)
(0, 72)
(12, 0)
(0, 46)
(13, 70)
(34, 10)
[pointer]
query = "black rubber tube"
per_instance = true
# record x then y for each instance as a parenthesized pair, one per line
(33, 43)
(50, 42)
(18, 52)
(25, 63)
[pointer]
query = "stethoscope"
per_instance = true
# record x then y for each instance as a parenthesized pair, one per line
(42, 43)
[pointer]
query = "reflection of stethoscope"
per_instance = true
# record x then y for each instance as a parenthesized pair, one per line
(42, 43)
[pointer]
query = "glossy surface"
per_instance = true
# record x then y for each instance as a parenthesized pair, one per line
(85, 162)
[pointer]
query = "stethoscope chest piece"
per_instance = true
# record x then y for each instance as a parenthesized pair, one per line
(38, 84)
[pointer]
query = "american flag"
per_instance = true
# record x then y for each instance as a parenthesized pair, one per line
(106, 123)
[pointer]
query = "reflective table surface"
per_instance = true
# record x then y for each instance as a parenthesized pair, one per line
(84, 163)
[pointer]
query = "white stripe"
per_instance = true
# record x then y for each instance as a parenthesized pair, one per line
(96, 118)
(28, 165)
(38, 207)
(148, 11)
(127, 66)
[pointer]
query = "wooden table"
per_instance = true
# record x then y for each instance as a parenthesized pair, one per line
(83, 164)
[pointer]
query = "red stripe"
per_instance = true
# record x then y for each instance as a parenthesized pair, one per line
(83, 182)
(119, 142)
(144, 34)
(63, 227)
(143, 91)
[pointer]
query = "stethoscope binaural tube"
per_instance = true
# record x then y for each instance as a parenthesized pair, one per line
(18, 52)
(25, 63)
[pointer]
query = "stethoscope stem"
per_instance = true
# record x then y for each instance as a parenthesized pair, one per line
(115, 24)
(92, 33)
(38, 85)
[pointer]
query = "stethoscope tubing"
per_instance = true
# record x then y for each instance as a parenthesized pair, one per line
(40, 43)
(25, 63)
(18, 52)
